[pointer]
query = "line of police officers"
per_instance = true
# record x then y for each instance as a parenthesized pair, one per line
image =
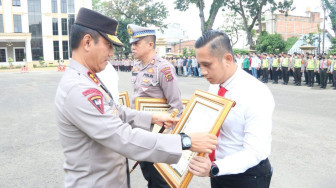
(313, 67)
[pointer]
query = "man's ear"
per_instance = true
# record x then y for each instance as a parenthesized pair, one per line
(87, 42)
(227, 58)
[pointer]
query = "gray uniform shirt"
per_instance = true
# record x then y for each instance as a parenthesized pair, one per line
(97, 135)
(157, 79)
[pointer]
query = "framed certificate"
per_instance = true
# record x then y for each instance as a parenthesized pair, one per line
(155, 105)
(205, 112)
(124, 99)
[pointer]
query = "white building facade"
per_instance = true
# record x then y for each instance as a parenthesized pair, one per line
(31, 30)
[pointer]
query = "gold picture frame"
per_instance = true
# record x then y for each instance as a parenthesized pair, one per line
(157, 105)
(124, 99)
(205, 112)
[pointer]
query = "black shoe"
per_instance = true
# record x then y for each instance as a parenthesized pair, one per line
(322, 87)
(334, 88)
(299, 84)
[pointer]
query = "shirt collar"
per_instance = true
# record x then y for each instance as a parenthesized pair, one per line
(83, 70)
(228, 84)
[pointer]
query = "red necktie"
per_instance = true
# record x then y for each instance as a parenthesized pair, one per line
(221, 92)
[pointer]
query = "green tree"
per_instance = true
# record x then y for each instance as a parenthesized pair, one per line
(232, 26)
(207, 25)
(290, 42)
(333, 47)
(270, 43)
(331, 7)
(251, 10)
(140, 12)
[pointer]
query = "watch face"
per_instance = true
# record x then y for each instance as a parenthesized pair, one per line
(186, 142)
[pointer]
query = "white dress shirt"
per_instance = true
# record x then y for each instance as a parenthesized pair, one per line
(110, 79)
(256, 62)
(245, 136)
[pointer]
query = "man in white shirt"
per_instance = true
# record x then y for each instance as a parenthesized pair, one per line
(110, 78)
(255, 64)
(244, 141)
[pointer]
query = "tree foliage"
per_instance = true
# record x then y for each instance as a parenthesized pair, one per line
(251, 10)
(140, 12)
(290, 42)
(270, 43)
(188, 52)
(331, 6)
(207, 25)
(232, 26)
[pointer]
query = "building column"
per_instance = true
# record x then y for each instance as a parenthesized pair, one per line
(28, 50)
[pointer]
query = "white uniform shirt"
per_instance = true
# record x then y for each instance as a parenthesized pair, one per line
(110, 79)
(245, 136)
(255, 62)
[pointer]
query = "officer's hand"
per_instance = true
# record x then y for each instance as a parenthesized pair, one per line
(200, 166)
(203, 142)
(164, 120)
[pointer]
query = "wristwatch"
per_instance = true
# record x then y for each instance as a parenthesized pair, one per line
(214, 170)
(186, 141)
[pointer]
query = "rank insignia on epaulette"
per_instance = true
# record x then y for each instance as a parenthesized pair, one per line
(93, 77)
(150, 70)
(135, 69)
(153, 61)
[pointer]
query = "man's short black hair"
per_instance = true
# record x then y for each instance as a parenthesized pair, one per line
(77, 34)
(151, 38)
(219, 43)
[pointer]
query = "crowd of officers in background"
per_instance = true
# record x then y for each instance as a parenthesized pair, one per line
(320, 69)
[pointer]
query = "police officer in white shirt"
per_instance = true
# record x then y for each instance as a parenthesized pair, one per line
(244, 141)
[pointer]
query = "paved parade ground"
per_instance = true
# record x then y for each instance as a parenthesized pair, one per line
(303, 147)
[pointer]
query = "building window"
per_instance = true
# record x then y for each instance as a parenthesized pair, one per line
(16, 3)
(55, 26)
(64, 6)
(71, 21)
(64, 26)
(0, 3)
(54, 6)
(56, 50)
(35, 28)
(71, 6)
(1, 24)
(17, 24)
(3, 55)
(19, 54)
(65, 50)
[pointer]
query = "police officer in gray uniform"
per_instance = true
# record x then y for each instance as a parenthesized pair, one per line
(154, 77)
(96, 133)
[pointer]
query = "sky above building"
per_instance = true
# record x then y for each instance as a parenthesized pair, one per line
(190, 21)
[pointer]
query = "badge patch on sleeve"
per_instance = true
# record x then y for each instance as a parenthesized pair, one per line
(169, 77)
(96, 99)
(167, 72)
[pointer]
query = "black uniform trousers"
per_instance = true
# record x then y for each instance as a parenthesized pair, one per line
(323, 77)
(152, 176)
(265, 75)
(258, 176)
(275, 74)
(310, 77)
(297, 75)
(306, 76)
(317, 75)
(285, 74)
